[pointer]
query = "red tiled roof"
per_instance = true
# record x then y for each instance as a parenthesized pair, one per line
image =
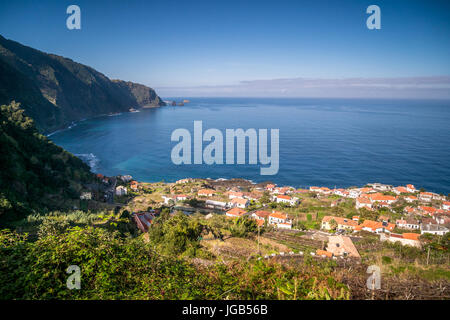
(236, 212)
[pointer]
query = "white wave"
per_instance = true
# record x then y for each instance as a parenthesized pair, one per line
(90, 159)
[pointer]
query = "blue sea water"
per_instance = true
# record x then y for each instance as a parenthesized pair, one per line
(323, 142)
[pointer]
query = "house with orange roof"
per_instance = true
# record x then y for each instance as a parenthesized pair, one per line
(340, 192)
(409, 210)
(354, 193)
(233, 194)
(281, 198)
(280, 219)
(340, 222)
(235, 212)
(366, 190)
(363, 202)
(270, 187)
(400, 190)
(406, 239)
(425, 196)
(323, 253)
(446, 205)
(325, 190)
(206, 192)
(376, 226)
(314, 189)
(239, 202)
(410, 188)
(411, 199)
(261, 215)
(379, 197)
(427, 210)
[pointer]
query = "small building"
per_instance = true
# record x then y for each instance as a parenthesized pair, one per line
(411, 199)
(341, 223)
(433, 229)
(239, 202)
(216, 204)
(233, 194)
(121, 191)
(206, 193)
(235, 213)
(260, 215)
(86, 196)
(126, 178)
(376, 226)
(363, 202)
(406, 239)
(286, 199)
(342, 246)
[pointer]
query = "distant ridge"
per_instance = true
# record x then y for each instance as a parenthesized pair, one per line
(56, 91)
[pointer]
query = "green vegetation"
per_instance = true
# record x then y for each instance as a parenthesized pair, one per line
(115, 266)
(36, 174)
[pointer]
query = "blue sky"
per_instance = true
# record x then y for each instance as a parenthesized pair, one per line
(217, 43)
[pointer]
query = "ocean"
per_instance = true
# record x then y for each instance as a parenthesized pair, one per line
(322, 142)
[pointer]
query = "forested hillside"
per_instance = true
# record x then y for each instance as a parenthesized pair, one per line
(35, 173)
(55, 91)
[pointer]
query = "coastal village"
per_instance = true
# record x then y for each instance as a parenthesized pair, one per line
(318, 221)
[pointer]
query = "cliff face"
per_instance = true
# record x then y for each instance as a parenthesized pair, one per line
(55, 91)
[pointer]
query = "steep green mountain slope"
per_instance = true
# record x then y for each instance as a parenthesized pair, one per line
(55, 91)
(35, 173)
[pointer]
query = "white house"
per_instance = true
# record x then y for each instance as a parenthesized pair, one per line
(280, 219)
(86, 196)
(239, 202)
(216, 204)
(354, 193)
(411, 199)
(121, 191)
(232, 195)
(410, 188)
(235, 213)
(126, 178)
(446, 205)
(286, 199)
(433, 229)
(363, 202)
